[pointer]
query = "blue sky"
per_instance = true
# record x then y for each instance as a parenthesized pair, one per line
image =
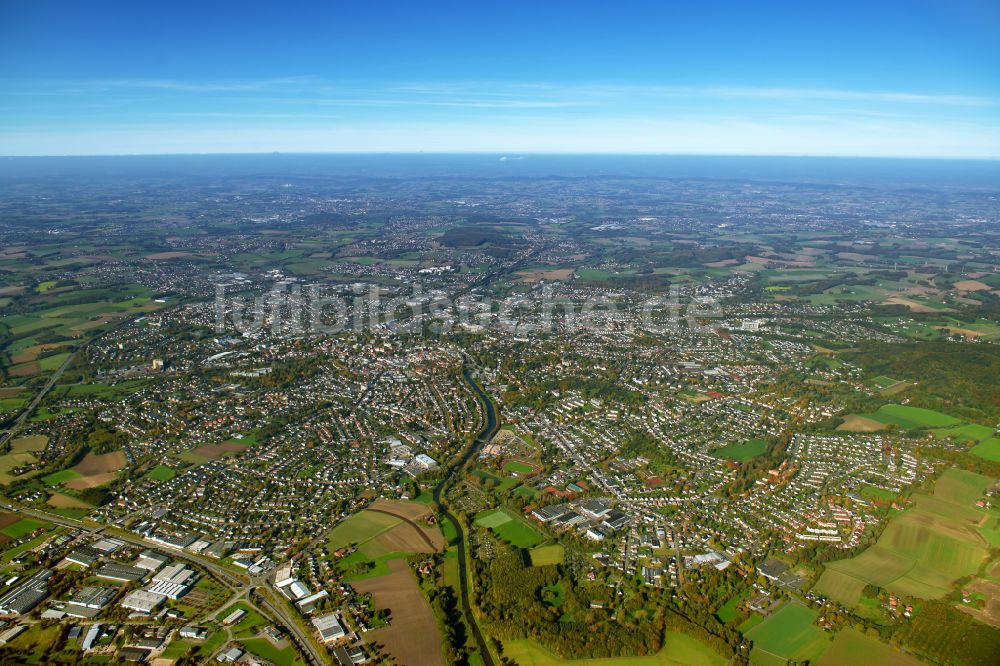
(914, 79)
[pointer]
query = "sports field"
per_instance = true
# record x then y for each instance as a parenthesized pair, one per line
(511, 529)
(518, 468)
(922, 551)
(494, 518)
(545, 555)
(852, 647)
(680, 650)
(788, 634)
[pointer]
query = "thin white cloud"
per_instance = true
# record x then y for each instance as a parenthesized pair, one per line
(852, 96)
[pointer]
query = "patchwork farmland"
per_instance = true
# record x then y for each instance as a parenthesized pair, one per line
(922, 550)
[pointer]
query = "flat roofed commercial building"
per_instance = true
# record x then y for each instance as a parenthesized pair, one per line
(170, 590)
(151, 560)
(85, 556)
(329, 628)
(175, 573)
(93, 596)
(121, 572)
(142, 601)
(107, 546)
(27, 595)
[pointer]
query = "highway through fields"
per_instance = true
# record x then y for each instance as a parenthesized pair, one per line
(19, 423)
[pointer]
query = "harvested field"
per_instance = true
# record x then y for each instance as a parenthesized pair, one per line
(94, 470)
(8, 519)
(402, 509)
(214, 451)
(25, 369)
(28, 444)
(858, 423)
(412, 635)
(61, 501)
(167, 255)
(31, 353)
(90, 481)
(10, 461)
(971, 285)
(913, 305)
(101, 464)
(414, 534)
(537, 276)
(405, 538)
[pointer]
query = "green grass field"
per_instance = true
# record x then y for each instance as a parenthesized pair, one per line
(24, 527)
(518, 467)
(510, 528)
(912, 417)
(966, 432)
(789, 634)
(360, 528)
(161, 473)
(493, 518)
(680, 650)
(250, 625)
(921, 551)
(742, 451)
(988, 449)
(727, 612)
(852, 647)
(62, 476)
(878, 493)
(176, 649)
(262, 647)
(545, 555)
